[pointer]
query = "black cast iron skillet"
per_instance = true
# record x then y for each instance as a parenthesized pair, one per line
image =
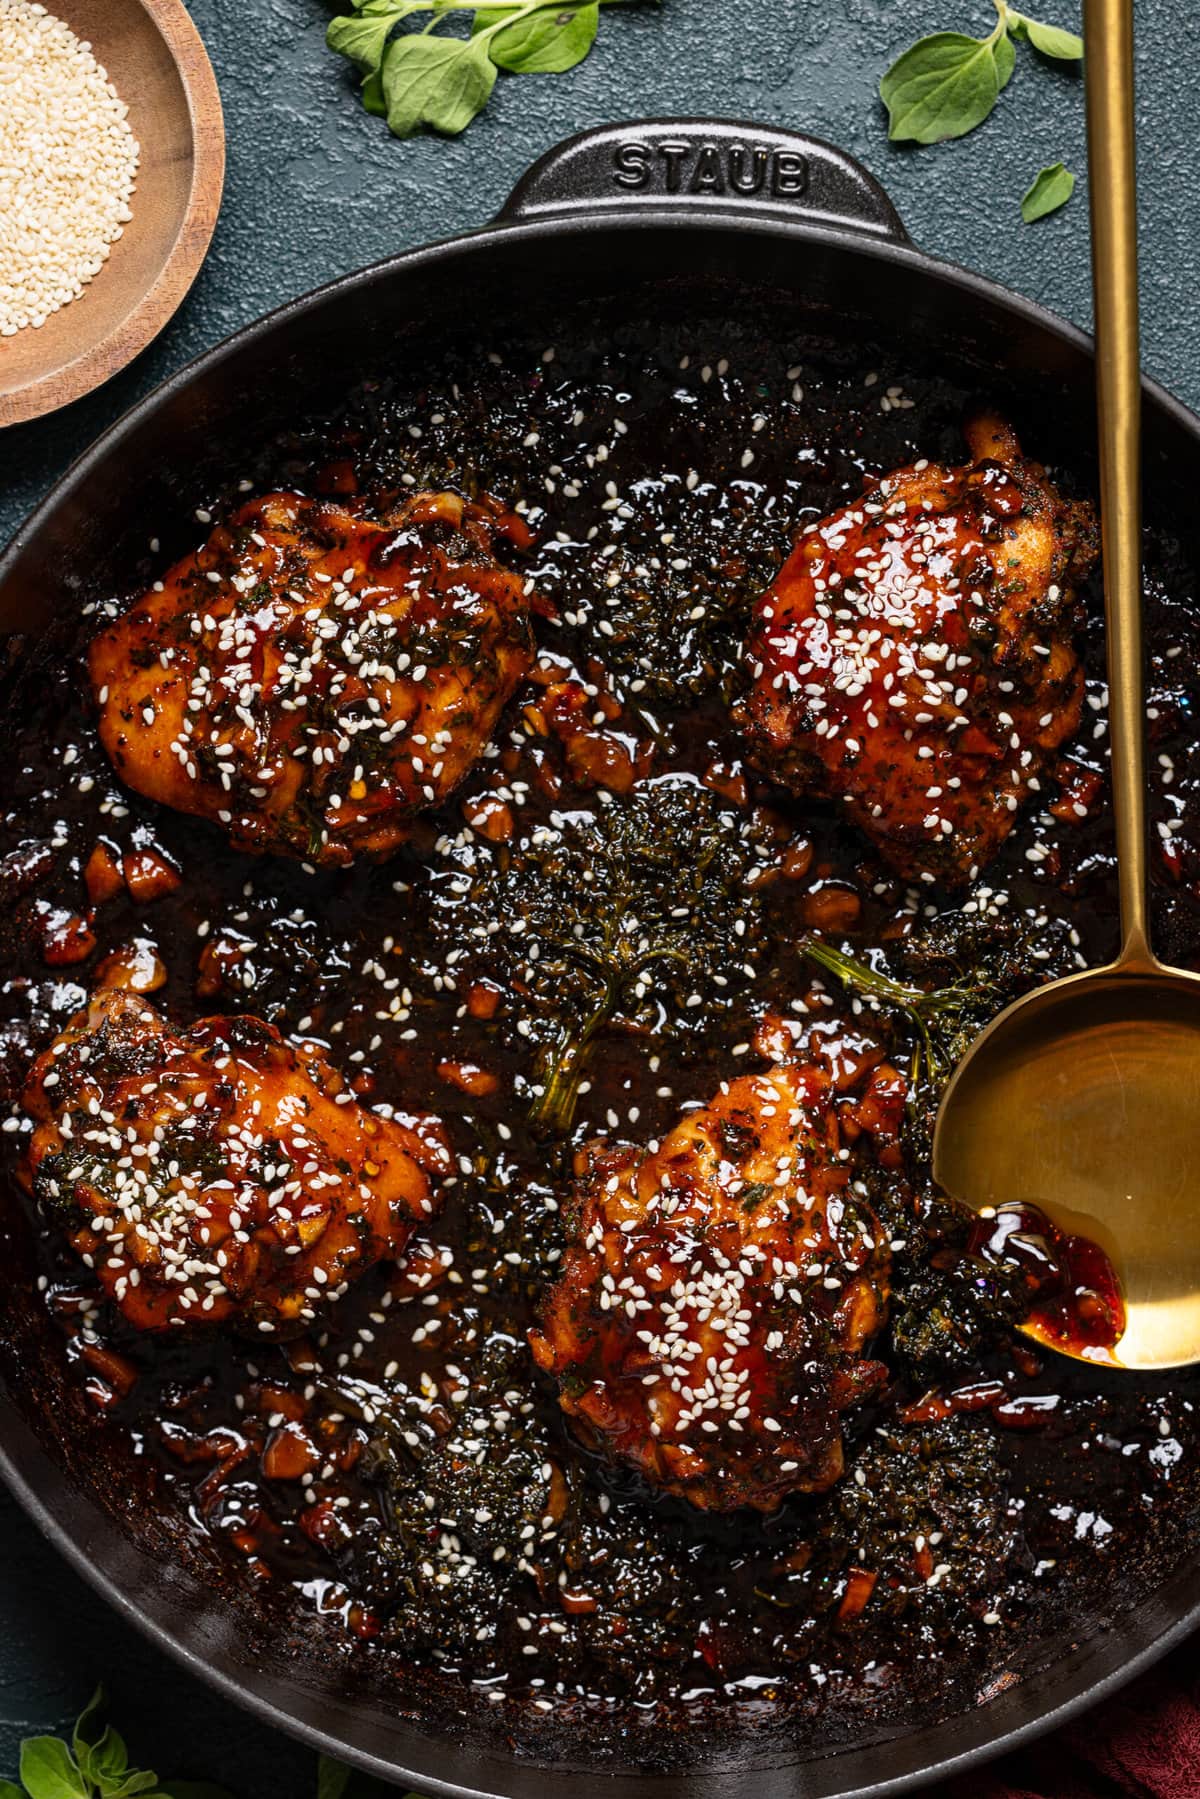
(611, 212)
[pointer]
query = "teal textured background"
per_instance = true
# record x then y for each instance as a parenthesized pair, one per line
(315, 188)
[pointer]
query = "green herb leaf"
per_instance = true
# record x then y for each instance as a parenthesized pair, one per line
(107, 1763)
(438, 81)
(88, 1730)
(1051, 188)
(427, 78)
(945, 85)
(48, 1770)
(1006, 61)
(134, 1784)
(1051, 40)
(333, 1777)
(547, 42)
(363, 37)
(98, 1768)
(102, 1756)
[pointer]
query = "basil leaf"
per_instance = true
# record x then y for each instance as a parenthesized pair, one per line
(543, 43)
(1051, 40)
(362, 38)
(944, 86)
(372, 95)
(333, 1777)
(104, 1762)
(1051, 188)
(132, 1785)
(1006, 61)
(10, 1790)
(442, 82)
(48, 1770)
(87, 1725)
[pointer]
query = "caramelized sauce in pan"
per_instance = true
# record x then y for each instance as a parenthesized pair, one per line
(1077, 1304)
(397, 1493)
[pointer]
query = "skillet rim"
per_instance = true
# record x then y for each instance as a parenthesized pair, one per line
(633, 216)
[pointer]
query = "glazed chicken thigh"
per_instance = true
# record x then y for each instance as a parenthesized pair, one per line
(717, 1295)
(312, 678)
(211, 1175)
(916, 658)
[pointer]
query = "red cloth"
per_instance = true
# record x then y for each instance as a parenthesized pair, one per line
(1145, 1744)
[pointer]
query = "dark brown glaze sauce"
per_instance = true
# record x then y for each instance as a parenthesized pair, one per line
(1076, 1297)
(398, 1491)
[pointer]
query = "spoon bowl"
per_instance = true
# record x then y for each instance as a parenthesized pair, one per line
(1084, 1098)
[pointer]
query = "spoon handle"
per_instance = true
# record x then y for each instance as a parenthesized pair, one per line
(1108, 72)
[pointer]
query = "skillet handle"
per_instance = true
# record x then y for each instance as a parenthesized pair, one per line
(710, 165)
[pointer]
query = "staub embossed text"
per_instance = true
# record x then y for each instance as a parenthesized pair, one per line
(675, 166)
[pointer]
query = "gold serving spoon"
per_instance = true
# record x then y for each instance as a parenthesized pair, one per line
(1084, 1096)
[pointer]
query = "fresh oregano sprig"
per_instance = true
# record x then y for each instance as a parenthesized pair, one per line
(93, 1765)
(945, 85)
(425, 77)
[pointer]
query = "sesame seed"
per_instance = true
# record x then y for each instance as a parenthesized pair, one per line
(68, 162)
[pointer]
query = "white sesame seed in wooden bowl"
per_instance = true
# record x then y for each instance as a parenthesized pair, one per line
(152, 55)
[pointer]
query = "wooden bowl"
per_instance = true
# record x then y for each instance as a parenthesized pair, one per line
(158, 65)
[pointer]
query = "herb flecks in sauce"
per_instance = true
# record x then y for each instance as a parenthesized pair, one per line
(399, 1488)
(641, 912)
